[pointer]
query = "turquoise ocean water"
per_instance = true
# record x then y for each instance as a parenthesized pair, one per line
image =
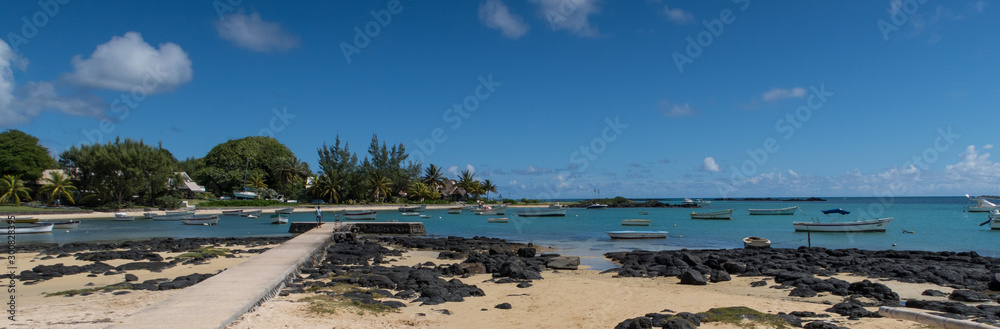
(938, 223)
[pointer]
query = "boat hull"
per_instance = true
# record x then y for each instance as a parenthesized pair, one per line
(497, 220)
(124, 219)
(637, 234)
(995, 224)
(455, 211)
(251, 213)
(279, 219)
(597, 206)
(67, 225)
(32, 228)
(413, 209)
(781, 211)
(635, 222)
(725, 214)
(232, 212)
(542, 212)
(752, 242)
(360, 215)
(200, 220)
(168, 217)
(875, 225)
(285, 211)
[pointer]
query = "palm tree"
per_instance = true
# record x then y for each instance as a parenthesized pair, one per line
(325, 187)
(13, 190)
(467, 181)
(433, 176)
(488, 187)
(257, 181)
(422, 191)
(58, 186)
(292, 171)
(380, 185)
(475, 189)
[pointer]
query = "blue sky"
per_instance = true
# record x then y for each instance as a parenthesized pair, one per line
(556, 98)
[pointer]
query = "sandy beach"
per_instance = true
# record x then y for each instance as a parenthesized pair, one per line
(328, 209)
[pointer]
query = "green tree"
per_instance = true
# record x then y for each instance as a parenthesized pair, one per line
(22, 156)
(487, 186)
(467, 180)
(380, 186)
(324, 187)
(227, 166)
(119, 170)
(433, 177)
(58, 186)
(342, 171)
(13, 190)
(421, 192)
(257, 181)
(291, 171)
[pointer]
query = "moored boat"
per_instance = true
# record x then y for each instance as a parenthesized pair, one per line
(200, 220)
(780, 211)
(185, 212)
(359, 215)
(169, 217)
(425, 216)
(723, 214)
(637, 234)
(419, 208)
(597, 206)
(751, 242)
(64, 225)
(279, 219)
(497, 220)
(455, 211)
(873, 225)
(232, 212)
(643, 213)
(148, 215)
(31, 228)
(635, 222)
(542, 212)
(251, 213)
(485, 211)
(285, 211)
(123, 217)
(983, 205)
(23, 219)
(410, 214)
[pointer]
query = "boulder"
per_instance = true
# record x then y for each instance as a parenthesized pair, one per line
(515, 269)
(934, 293)
(994, 283)
(677, 323)
(693, 277)
(803, 292)
(563, 263)
(636, 323)
(473, 268)
(822, 325)
(503, 306)
(719, 276)
(963, 295)
(526, 252)
(131, 277)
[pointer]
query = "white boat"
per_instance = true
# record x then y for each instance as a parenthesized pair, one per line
(359, 214)
(232, 212)
(688, 202)
(279, 219)
(501, 209)
(169, 217)
(410, 214)
(67, 225)
(485, 211)
(723, 214)
(751, 242)
(597, 206)
(643, 213)
(455, 211)
(873, 225)
(31, 228)
(253, 213)
(123, 217)
(23, 219)
(702, 203)
(285, 211)
(497, 220)
(185, 212)
(995, 214)
(425, 216)
(637, 234)
(983, 205)
(246, 194)
(148, 215)
(780, 211)
(419, 208)
(635, 222)
(200, 220)
(542, 212)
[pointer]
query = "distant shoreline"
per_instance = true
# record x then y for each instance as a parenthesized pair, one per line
(771, 199)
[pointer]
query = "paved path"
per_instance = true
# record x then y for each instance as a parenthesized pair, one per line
(220, 300)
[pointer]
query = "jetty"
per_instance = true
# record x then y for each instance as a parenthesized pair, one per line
(223, 298)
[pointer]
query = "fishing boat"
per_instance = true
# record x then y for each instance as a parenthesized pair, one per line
(232, 212)
(497, 220)
(123, 217)
(995, 214)
(983, 205)
(597, 206)
(285, 211)
(200, 220)
(185, 212)
(485, 211)
(23, 219)
(425, 216)
(169, 217)
(252, 213)
(455, 211)
(994, 220)
(643, 213)
(148, 215)
(752, 242)
(65, 225)
(550, 211)
(723, 214)
(419, 208)
(780, 211)
(873, 225)
(637, 234)
(31, 228)
(359, 214)
(501, 209)
(279, 219)
(635, 222)
(410, 214)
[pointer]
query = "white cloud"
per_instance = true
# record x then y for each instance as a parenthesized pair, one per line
(128, 62)
(496, 15)
(251, 32)
(570, 15)
(709, 165)
(777, 94)
(678, 15)
(676, 110)
(979, 6)
(974, 167)
(894, 6)
(452, 171)
(21, 104)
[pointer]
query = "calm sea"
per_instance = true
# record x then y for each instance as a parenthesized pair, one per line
(937, 223)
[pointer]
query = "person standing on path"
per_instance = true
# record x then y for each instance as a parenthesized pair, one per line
(319, 217)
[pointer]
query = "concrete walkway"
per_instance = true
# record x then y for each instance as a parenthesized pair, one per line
(220, 300)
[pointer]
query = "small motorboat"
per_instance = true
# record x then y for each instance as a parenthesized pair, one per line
(232, 212)
(780, 211)
(23, 219)
(873, 225)
(635, 222)
(254, 213)
(65, 225)
(455, 211)
(200, 220)
(497, 220)
(643, 213)
(148, 215)
(597, 206)
(419, 208)
(359, 215)
(751, 242)
(637, 234)
(411, 214)
(425, 216)
(286, 211)
(279, 219)
(723, 214)
(485, 211)
(123, 217)
(31, 228)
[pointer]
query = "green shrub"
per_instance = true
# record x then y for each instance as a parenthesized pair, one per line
(244, 203)
(168, 202)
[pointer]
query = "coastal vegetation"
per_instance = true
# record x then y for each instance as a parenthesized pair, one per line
(22, 156)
